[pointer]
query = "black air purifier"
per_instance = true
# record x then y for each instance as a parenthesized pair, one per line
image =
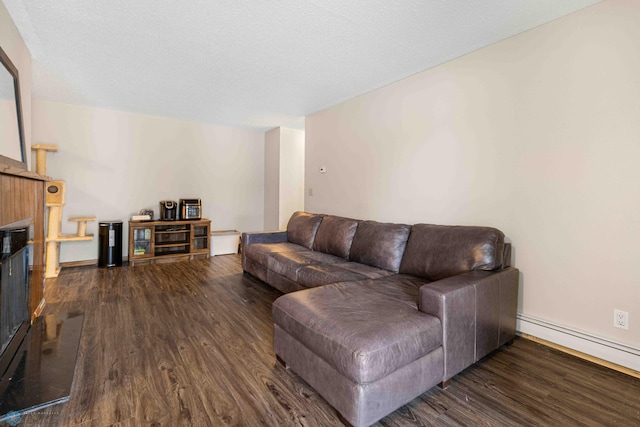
(110, 244)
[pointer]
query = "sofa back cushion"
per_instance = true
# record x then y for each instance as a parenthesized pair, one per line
(335, 236)
(438, 251)
(302, 228)
(379, 244)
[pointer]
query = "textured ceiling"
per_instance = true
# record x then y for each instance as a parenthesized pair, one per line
(252, 63)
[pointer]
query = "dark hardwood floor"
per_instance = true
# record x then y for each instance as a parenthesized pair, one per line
(190, 343)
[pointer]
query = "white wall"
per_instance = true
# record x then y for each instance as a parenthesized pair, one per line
(9, 125)
(17, 51)
(291, 174)
(538, 135)
(272, 179)
(284, 176)
(117, 163)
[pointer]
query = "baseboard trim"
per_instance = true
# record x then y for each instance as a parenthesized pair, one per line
(82, 263)
(86, 262)
(618, 356)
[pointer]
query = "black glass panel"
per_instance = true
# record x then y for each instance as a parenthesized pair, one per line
(41, 373)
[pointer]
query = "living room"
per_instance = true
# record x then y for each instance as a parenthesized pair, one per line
(534, 135)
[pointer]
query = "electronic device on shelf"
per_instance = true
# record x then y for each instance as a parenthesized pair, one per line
(168, 210)
(190, 209)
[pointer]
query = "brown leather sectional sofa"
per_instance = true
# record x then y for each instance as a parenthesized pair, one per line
(383, 312)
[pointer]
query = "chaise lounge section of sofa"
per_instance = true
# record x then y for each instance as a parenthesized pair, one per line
(375, 314)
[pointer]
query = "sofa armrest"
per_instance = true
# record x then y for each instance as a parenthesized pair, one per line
(264, 237)
(478, 314)
(506, 255)
(259, 237)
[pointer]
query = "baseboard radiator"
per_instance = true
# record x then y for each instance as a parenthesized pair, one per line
(600, 349)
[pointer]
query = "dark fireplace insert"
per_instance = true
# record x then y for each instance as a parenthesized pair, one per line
(37, 361)
(14, 282)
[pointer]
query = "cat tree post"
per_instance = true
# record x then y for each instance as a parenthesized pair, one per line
(55, 200)
(41, 156)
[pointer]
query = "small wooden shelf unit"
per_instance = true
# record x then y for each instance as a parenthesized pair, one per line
(157, 241)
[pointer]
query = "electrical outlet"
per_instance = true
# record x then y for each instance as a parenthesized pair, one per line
(620, 319)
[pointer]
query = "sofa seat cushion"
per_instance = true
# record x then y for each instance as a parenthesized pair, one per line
(365, 330)
(287, 264)
(324, 274)
(401, 288)
(259, 252)
(366, 270)
(379, 244)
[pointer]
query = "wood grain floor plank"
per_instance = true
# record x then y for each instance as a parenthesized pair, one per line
(191, 344)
